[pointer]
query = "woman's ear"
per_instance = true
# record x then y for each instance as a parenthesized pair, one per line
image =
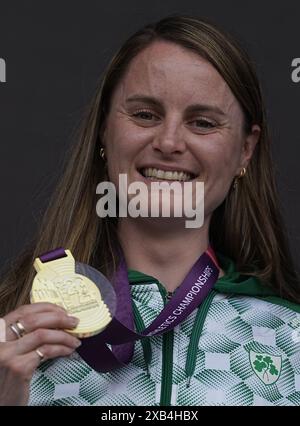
(249, 145)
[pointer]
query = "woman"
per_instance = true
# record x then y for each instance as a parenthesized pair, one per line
(179, 96)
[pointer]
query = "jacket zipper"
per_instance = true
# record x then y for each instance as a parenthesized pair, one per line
(167, 360)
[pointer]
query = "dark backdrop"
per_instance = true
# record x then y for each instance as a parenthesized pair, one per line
(56, 50)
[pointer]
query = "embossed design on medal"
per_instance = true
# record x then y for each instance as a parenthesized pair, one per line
(57, 282)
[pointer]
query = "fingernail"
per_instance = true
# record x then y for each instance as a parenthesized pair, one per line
(78, 343)
(74, 321)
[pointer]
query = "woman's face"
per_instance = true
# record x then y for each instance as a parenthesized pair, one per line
(172, 111)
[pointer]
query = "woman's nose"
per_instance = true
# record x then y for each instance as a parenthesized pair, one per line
(169, 138)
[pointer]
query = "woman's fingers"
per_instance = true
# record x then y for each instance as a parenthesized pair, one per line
(24, 365)
(33, 308)
(32, 317)
(34, 321)
(36, 335)
(53, 351)
(15, 377)
(42, 336)
(20, 368)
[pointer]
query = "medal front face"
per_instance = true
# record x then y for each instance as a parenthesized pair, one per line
(60, 282)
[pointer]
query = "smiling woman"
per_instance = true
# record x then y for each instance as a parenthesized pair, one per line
(153, 125)
(212, 308)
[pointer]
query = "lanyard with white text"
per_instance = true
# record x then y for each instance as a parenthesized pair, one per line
(120, 331)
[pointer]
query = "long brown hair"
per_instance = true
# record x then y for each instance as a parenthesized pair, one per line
(247, 226)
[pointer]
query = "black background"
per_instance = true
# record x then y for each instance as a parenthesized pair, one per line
(55, 52)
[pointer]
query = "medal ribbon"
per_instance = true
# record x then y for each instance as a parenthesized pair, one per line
(120, 331)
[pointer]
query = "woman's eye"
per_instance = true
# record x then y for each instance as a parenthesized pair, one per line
(204, 124)
(144, 115)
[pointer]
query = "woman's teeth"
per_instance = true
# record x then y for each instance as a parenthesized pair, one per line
(166, 175)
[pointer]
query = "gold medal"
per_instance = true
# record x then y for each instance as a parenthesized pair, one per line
(57, 282)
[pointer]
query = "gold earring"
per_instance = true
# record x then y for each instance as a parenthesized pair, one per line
(242, 172)
(236, 179)
(102, 153)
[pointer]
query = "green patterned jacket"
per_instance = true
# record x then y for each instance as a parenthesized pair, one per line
(240, 347)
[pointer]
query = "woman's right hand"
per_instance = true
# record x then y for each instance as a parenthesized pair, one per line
(19, 357)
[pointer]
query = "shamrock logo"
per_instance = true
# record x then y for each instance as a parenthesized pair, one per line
(267, 367)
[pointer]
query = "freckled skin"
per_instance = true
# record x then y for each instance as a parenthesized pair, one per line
(178, 78)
